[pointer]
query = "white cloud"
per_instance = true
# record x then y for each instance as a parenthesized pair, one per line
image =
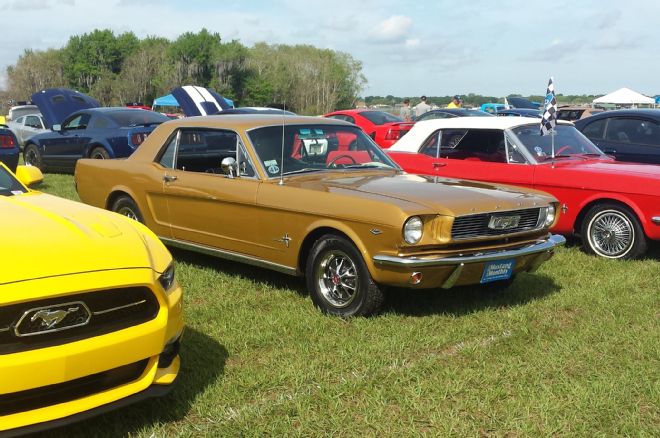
(412, 42)
(393, 28)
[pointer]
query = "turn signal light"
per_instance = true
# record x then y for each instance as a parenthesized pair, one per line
(7, 141)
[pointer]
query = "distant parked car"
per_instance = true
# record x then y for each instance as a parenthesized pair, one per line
(572, 113)
(8, 148)
(21, 110)
(384, 128)
(445, 113)
(519, 112)
(492, 108)
(81, 129)
(628, 135)
(27, 126)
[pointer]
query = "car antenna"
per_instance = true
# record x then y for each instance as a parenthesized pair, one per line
(282, 148)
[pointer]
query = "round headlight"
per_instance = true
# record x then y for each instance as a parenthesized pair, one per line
(550, 215)
(412, 230)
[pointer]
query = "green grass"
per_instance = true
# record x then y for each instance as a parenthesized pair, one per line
(573, 350)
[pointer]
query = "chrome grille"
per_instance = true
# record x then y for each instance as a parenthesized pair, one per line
(476, 225)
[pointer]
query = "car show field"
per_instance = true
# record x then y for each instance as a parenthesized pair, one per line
(549, 355)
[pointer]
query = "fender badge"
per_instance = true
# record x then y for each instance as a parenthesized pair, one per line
(375, 231)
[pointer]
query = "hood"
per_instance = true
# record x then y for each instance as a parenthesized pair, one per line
(56, 104)
(614, 176)
(46, 236)
(199, 101)
(450, 197)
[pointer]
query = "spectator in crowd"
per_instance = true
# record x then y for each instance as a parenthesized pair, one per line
(456, 102)
(422, 107)
(406, 111)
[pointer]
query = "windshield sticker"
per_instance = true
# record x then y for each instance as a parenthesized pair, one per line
(270, 163)
(272, 169)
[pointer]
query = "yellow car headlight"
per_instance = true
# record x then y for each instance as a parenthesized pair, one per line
(166, 279)
(412, 230)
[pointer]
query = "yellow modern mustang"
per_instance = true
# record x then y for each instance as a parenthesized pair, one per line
(90, 312)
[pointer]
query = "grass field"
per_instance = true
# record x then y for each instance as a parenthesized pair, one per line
(573, 350)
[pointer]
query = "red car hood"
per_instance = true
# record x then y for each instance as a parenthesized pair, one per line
(601, 175)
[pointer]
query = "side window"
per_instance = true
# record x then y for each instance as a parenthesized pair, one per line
(595, 129)
(202, 151)
(99, 122)
(513, 154)
(33, 122)
(430, 146)
(476, 145)
(19, 120)
(167, 157)
(633, 131)
(77, 122)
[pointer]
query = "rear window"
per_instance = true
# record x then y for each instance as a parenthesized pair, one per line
(380, 117)
(136, 117)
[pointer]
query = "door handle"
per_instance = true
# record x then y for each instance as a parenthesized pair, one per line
(438, 165)
(169, 178)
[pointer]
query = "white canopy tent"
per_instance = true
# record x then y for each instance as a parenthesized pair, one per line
(625, 96)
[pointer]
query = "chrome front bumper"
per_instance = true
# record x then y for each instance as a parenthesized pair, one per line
(544, 248)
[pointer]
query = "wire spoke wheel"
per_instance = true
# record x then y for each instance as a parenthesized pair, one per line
(611, 233)
(337, 278)
(129, 213)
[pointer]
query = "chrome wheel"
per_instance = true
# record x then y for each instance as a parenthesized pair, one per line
(128, 212)
(337, 278)
(611, 234)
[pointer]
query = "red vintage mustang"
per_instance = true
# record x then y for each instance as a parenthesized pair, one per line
(614, 207)
(384, 128)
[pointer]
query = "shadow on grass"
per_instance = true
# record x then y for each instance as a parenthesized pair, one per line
(457, 301)
(465, 300)
(202, 363)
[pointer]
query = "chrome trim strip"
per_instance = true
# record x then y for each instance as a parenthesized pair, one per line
(656, 220)
(229, 255)
(6, 329)
(546, 245)
(113, 309)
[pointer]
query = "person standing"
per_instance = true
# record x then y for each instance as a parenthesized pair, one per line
(456, 102)
(406, 112)
(422, 107)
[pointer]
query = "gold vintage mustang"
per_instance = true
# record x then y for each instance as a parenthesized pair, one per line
(316, 197)
(90, 312)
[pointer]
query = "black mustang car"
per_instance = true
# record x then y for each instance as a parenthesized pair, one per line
(628, 135)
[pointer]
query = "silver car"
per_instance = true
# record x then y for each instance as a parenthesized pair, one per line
(26, 126)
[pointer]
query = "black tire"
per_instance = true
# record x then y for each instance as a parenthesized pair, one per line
(125, 206)
(332, 260)
(99, 153)
(612, 231)
(32, 157)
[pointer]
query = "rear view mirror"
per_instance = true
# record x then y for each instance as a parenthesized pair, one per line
(57, 128)
(29, 175)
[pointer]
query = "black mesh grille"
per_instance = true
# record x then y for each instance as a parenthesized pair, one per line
(74, 389)
(476, 225)
(111, 310)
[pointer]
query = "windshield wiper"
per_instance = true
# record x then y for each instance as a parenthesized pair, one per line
(305, 170)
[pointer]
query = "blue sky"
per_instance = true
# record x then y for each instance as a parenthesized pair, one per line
(408, 48)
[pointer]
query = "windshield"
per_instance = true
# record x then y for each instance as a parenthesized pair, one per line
(568, 142)
(8, 184)
(380, 117)
(135, 117)
(309, 148)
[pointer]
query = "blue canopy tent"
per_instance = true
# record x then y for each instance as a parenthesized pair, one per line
(170, 100)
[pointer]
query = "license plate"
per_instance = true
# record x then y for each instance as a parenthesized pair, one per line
(497, 270)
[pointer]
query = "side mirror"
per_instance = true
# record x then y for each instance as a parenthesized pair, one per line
(29, 175)
(228, 166)
(57, 128)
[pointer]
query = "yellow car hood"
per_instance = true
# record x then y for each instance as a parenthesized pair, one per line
(43, 236)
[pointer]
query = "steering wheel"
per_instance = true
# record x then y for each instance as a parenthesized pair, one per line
(563, 149)
(332, 162)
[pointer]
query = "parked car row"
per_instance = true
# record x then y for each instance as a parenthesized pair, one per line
(453, 201)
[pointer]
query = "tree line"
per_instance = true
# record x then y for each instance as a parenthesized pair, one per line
(476, 100)
(116, 69)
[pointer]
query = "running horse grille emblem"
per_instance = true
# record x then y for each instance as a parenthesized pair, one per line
(503, 222)
(54, 318)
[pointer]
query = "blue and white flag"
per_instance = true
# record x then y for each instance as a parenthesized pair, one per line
(549, 119)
